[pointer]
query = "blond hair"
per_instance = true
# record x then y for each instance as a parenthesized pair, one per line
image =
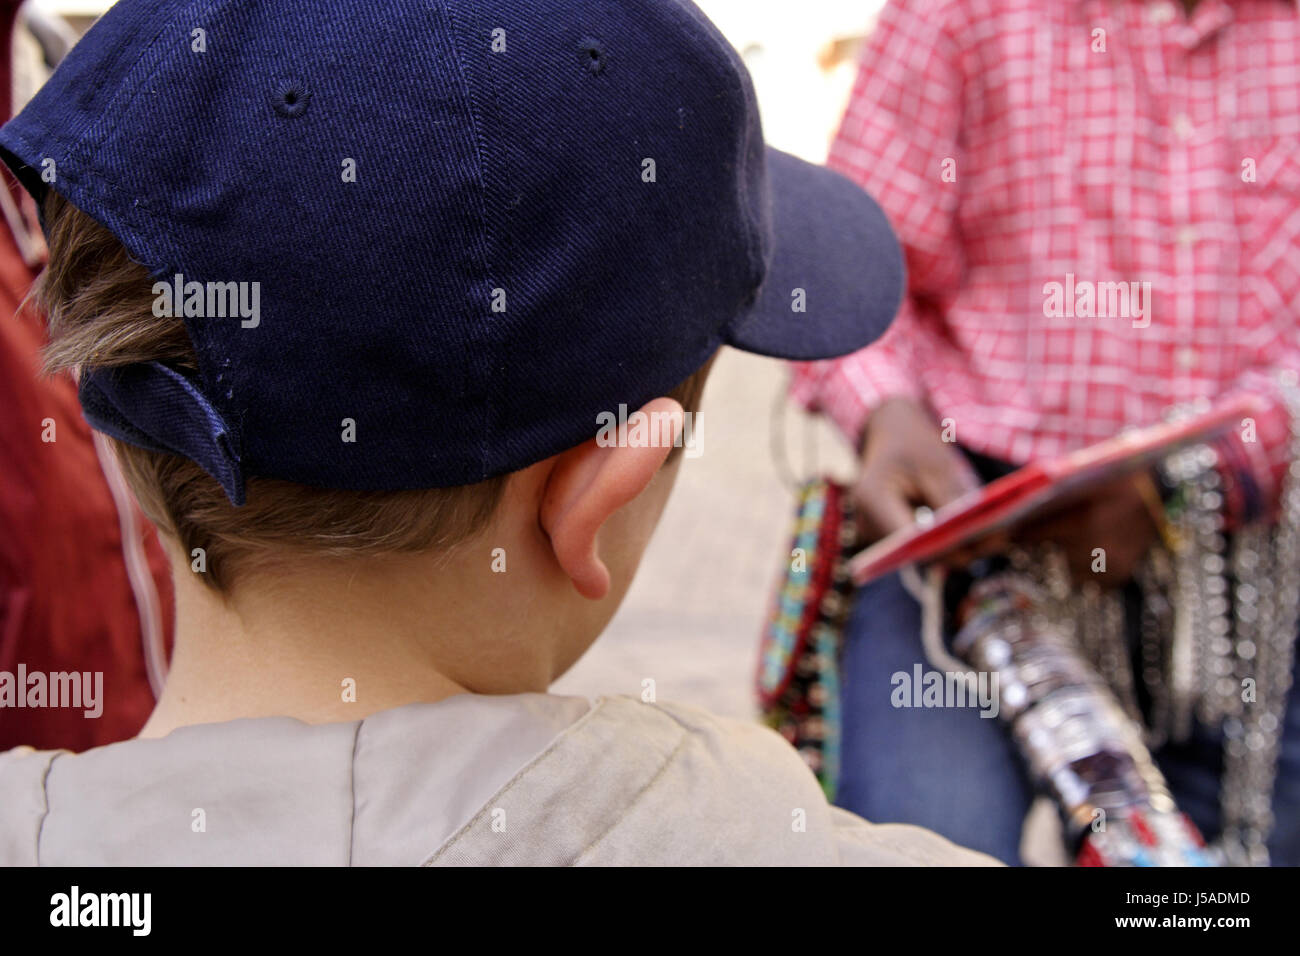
(99, 305)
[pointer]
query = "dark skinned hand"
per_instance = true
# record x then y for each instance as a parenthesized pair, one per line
(906, 464)
(1114, 517)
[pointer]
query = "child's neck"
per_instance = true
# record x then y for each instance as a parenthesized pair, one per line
(337, 644)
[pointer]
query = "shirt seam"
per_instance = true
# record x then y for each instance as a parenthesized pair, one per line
(510, 784)
(45, 799)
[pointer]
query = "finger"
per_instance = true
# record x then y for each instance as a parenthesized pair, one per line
(882, 509)
(945, 478)
(1063, 528)
(996, 542)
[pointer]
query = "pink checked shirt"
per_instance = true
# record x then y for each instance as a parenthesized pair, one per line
(1020, 143)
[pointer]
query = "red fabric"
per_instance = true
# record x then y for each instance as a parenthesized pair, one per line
(66, 603)
(1123, 165)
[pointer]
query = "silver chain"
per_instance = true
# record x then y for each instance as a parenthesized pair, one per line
(1232, 637)
(1218, 632)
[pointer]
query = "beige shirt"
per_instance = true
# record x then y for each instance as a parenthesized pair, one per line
(529, 779)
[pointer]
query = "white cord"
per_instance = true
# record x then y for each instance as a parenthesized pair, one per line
(929, 594)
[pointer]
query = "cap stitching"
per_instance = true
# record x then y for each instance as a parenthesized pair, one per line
(486, 340)
(124, 98)
(147, 240)
(742, 83)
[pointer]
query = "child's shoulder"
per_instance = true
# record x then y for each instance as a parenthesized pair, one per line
(22, 794)
(639, 783)
(708, 740)
(645, 783)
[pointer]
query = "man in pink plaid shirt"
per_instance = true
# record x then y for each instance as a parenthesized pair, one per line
(1025, 149)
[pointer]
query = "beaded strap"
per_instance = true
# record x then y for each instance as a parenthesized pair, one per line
(799, 656)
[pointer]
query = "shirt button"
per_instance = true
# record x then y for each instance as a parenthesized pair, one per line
(1186, 358)
(1183, 126)
(1162, 13)
(1187, 236)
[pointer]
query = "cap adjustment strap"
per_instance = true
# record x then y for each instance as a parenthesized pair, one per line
(156, 407)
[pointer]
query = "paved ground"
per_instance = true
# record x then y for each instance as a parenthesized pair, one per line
(692, 619)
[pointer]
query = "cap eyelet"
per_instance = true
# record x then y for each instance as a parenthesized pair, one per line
(592, 52)
(290, 98)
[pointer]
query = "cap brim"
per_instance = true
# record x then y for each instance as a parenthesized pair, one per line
(836, 275)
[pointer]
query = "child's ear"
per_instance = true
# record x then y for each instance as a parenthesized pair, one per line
(591, 482)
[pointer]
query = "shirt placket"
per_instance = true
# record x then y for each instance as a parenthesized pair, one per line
(1191, 216)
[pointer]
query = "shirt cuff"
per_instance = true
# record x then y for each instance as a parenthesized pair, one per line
(849, 389)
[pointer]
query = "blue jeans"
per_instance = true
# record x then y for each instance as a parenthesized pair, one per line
(957, 773)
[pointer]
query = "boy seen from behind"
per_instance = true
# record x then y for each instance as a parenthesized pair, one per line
(352, 299)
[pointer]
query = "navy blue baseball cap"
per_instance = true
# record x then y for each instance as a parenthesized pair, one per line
(465, 227)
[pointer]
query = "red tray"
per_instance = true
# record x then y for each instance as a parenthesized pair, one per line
(1042, 486)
